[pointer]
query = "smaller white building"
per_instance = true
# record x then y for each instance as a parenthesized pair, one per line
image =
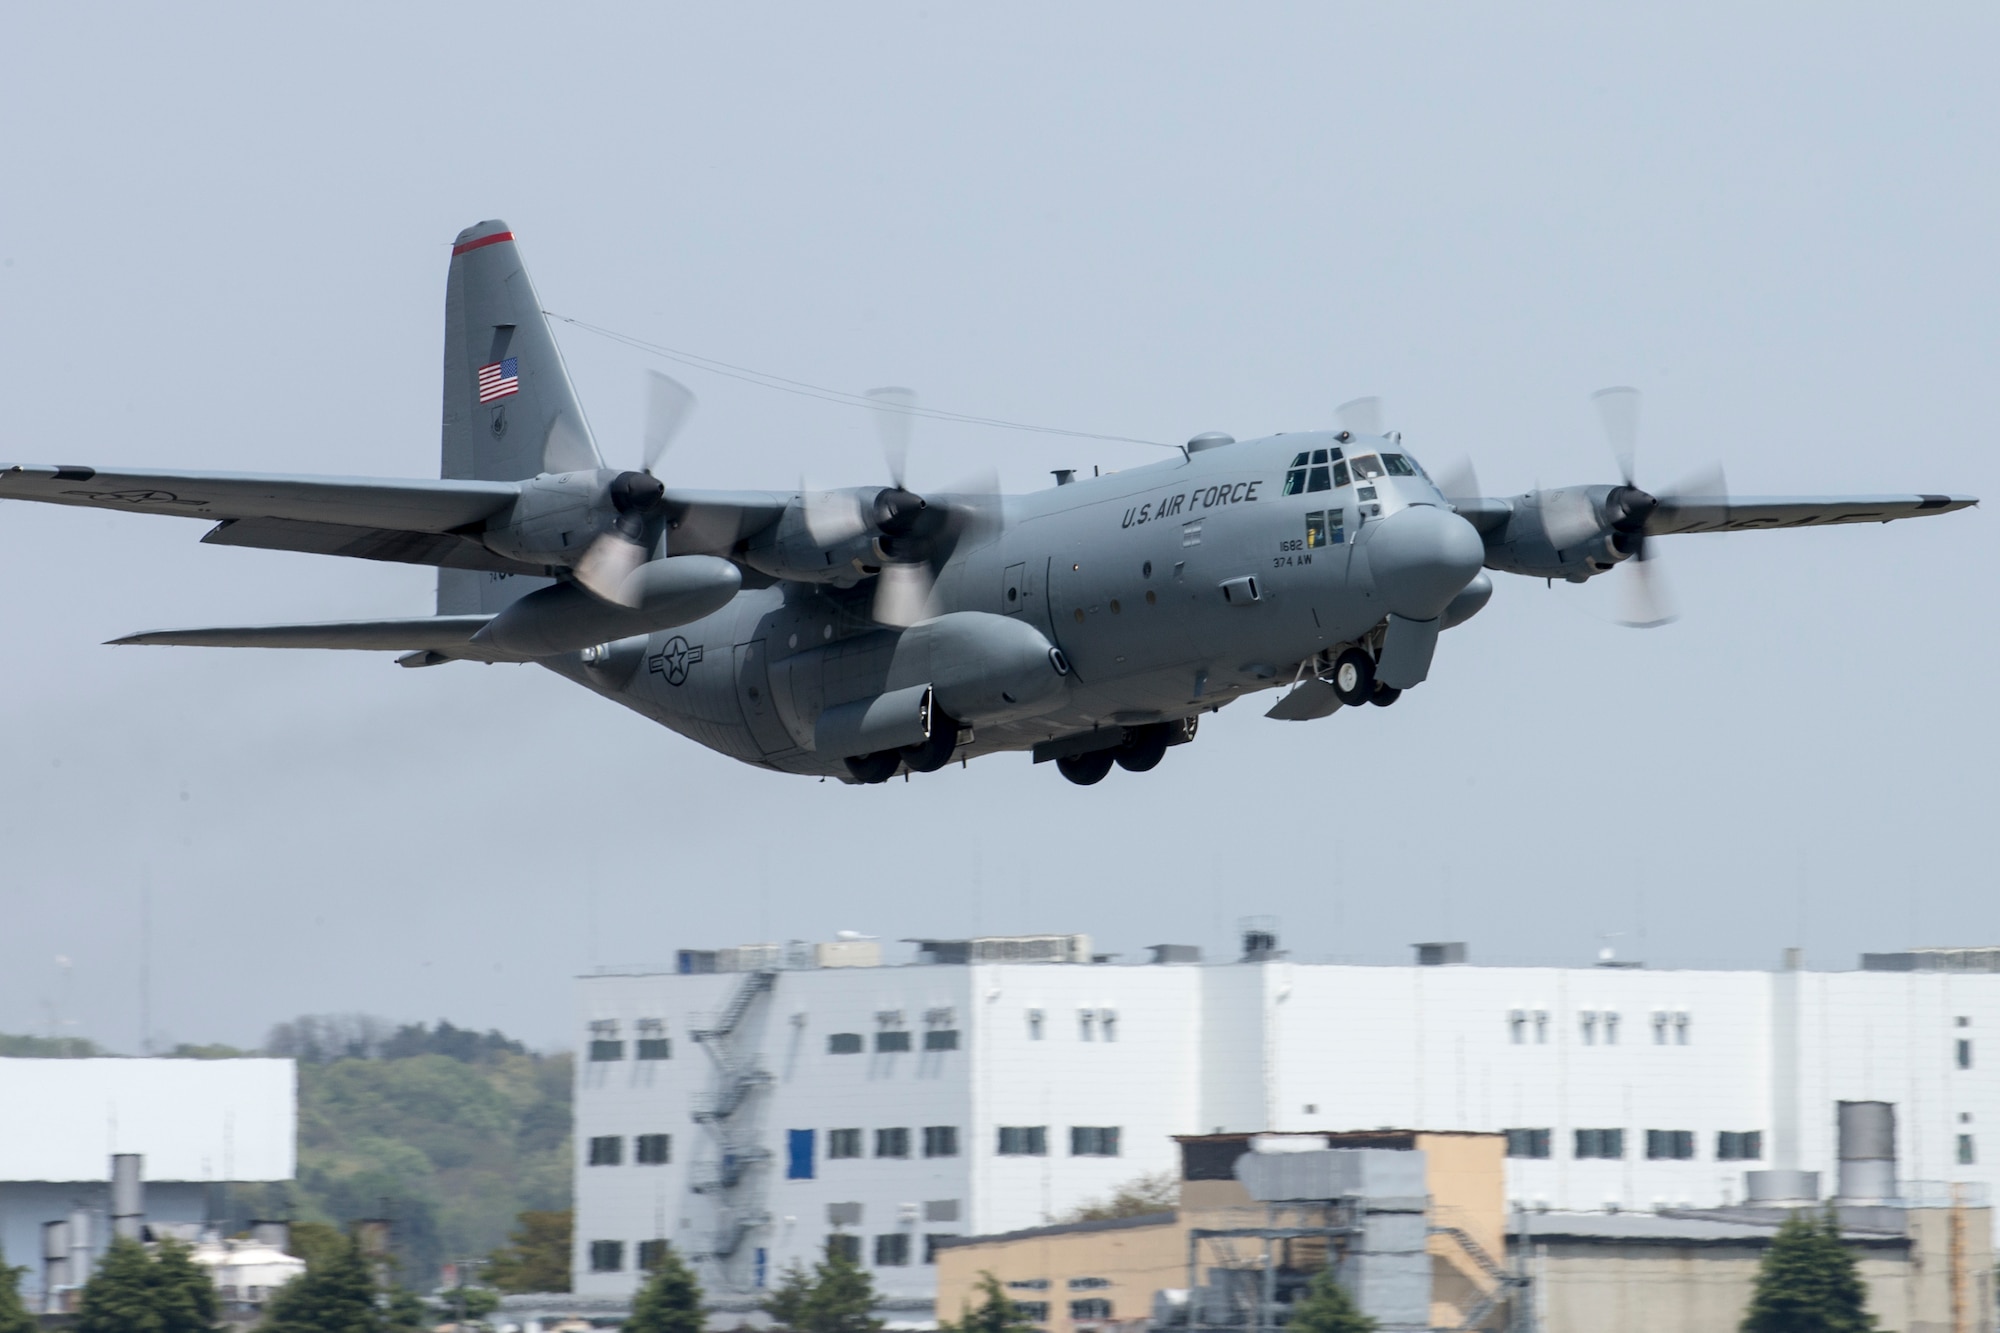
(246, 1272)
(195, 1124)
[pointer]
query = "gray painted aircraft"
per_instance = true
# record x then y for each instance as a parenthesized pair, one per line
(862, 631)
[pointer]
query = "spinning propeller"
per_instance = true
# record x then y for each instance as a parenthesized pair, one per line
(913, 536)
(1647, 601)
(613, 557)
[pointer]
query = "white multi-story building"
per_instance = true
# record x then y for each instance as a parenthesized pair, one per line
(968, 1094)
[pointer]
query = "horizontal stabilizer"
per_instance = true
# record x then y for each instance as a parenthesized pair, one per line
(449, 636)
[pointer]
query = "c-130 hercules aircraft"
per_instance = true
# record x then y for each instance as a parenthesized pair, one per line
(854, 633)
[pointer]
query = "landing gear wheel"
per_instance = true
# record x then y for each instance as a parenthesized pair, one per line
(877, 767)
(1354, 677)
(1384, 695)
(1144, 747)
(1086, 769)
(934, 753)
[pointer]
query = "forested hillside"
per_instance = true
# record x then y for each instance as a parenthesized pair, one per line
(448, 1132)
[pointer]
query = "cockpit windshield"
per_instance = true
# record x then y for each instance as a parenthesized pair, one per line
(1367, 467)
(1315, 470)
(1398, 465)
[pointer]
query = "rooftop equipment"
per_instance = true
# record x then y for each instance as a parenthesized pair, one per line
(1441, 955)
(1867, 1152)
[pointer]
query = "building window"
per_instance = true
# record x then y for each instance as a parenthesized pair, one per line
(1739, 1146)
(1107, 1019)
(1610, 1028)
(1090, 1307)
(941, 1039)
(1086, 1021)
(843, 1043)
(1965, 1053)
(843, 1143)
(607, 1151)
(1600, 1143)
(1659, 1027)
(655, 1048)
(1089, 1283)
(603, 1049)
(1587, 1025)
(607, 1256)
(1024, 1141)
(653, 1149)
(892, 1143)
(941, 1210)
(940, 1140)
(1034, 1025)
(1517, 1027)
(1093, 1141)
(932, 1244)
(892, 1041)
(652, 1253)
(1541, 1027)
(1669, 1145)
(892, 1249)
(1028, 1284)
(1035, 1312)
(1527, 1142)
(798, 1154)
(843, 1214)
(1681, 1027)
(845, 1246)
(1966, 1155)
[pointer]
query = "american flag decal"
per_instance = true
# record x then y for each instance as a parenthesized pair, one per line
(502, 379)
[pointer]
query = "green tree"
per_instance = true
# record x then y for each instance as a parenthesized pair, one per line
(670, 1302)
(995, 1313)
(1808, 1282)
(334, 1295)
(837, 1296)
(1326, 1307)
(536, 1257)
(14, 1316)
(1155, 1192)
(136, 1292)
(791, 1299)
(405, 1312)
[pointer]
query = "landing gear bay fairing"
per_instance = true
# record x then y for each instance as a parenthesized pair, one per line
(861, 632)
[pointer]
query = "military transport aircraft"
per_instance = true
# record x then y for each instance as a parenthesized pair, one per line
(862, 631)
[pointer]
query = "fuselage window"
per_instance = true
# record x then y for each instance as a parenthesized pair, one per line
(1368, 466)
(1323, 528)
(1398, 465)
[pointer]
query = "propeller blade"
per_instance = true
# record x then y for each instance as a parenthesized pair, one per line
(832, 517)
(1457, 481)
(1618, 412)
(605, 566)
(1363, 416)
(1644, 599)
(892, 422)
(976, 508)
(669, 404)
(902, 594)
(1706, 483)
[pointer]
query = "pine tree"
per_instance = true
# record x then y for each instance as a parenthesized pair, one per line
(536, 1257)
(670, 1302)
(1808, 1283)
(995, 1313)
(135, 1292)
(14, 1316)
(790, 1302)
(1327, 1307)
(334, 1295)
(843, 1295)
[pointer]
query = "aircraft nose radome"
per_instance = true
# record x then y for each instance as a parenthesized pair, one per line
(1421, 557)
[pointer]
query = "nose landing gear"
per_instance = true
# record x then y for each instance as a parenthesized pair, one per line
(1354, 677)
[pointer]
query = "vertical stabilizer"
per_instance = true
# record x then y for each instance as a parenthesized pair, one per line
(510, 411)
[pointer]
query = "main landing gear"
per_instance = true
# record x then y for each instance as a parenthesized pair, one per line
(1141, 751)
(1354, 681)
(926, 756)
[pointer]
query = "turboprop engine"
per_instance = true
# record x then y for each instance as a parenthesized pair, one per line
(1572, 533)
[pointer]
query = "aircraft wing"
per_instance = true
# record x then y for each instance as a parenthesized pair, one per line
(401, 505)
(1739, 513)
(449, 636)
(712, 522)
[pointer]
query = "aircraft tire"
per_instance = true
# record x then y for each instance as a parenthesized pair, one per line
(875, 768)
(1143, 749)
(1384, 696)
(1354, 677)
(932, 754)
(1086, 769)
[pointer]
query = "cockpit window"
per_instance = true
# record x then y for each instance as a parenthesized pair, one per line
(1339, 471)
(1319, 455)
(1398, 465)
(1310, 472)
(1321, 480)
(1368, 466)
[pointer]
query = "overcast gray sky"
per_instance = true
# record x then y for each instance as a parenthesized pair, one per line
(223, 240)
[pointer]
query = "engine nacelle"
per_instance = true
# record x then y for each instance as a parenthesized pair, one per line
(557, 517)
(1573, 533)
(788, 550)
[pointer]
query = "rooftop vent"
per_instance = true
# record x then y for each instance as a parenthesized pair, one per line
(1449, 954)
(1260, 938)
(1983, 959)
(1175, 953)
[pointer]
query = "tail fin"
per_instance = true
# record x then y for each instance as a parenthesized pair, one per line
(510, 411)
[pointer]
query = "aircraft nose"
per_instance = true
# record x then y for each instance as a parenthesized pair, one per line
(1421, 557)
